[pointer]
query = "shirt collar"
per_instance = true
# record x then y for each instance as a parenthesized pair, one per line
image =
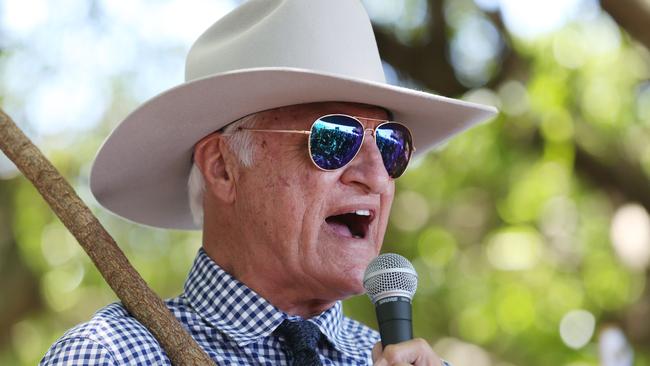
(241, 313)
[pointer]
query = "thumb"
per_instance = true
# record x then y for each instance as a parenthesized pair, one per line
(376, 351)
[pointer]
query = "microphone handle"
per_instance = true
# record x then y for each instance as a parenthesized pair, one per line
(394, 318)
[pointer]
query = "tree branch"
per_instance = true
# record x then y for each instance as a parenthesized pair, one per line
(632, 16)
(111, 262)
(429, 63)
(624, 178)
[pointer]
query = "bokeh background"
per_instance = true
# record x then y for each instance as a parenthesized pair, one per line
(530, 233)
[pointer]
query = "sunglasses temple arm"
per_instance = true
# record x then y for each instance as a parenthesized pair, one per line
(276, 131)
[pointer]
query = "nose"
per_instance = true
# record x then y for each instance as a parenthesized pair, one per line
(367, 170)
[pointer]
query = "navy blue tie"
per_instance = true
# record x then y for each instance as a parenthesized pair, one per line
(301, 338)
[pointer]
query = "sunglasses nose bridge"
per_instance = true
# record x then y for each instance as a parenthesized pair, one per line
(369, 130)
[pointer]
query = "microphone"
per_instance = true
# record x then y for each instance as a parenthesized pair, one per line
(390, 281)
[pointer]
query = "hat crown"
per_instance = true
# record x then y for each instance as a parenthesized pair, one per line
(329, 36)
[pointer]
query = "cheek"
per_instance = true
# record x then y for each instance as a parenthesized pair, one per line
(279, 199)
(387, 199)
(386, 204)
(292, 190)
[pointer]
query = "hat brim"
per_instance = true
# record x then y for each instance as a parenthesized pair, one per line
(141, 170)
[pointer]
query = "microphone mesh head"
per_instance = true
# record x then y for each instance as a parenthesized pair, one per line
(390, 275)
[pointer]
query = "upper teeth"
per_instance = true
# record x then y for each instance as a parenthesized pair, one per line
(362, 212)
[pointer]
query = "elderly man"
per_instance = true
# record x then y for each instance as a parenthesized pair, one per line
(282, 147)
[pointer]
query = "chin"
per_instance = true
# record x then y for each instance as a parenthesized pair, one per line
(358, 290)
(344, 278)
(353, 284)
(343, 291)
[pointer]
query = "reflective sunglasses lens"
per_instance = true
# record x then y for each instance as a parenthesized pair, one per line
(334, 141)
(395, 145)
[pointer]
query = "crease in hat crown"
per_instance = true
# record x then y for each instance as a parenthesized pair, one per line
(330, 36)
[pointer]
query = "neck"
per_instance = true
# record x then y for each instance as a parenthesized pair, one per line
(284, 294)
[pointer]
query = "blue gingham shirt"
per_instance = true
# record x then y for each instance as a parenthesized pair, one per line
(232, 323)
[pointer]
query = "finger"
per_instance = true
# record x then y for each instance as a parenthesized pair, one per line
(414, 352)
(376, 351)
(380, 362)
(384, 362)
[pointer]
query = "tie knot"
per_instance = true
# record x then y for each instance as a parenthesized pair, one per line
(300, 334)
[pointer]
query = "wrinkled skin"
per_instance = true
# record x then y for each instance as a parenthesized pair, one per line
(265, 224)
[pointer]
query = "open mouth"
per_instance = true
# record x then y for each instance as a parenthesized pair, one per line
(352, 224)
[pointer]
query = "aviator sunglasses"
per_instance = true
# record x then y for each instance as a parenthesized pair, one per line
(336, 139)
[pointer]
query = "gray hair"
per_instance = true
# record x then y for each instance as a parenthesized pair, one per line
(241, 144)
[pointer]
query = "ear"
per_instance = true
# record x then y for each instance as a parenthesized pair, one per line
(214, 159)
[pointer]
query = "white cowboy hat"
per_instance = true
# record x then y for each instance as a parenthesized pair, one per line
(264, 54)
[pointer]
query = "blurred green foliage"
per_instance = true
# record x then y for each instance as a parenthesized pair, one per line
(509, 224)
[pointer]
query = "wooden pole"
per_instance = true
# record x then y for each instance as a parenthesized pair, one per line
(109, 259)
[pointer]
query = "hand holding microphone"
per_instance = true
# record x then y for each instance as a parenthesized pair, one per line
(390, 281)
